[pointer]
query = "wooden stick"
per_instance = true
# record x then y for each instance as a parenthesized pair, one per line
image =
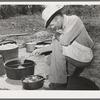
(14, 35)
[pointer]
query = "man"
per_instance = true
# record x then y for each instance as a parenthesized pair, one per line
(71, 43)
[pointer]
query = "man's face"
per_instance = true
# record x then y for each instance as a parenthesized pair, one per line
(56, 23)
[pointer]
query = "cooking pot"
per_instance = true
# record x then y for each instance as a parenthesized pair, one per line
(17, 71)
(33, 82)
(9, 54)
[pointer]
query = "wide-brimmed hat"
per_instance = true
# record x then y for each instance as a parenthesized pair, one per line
(50, 12)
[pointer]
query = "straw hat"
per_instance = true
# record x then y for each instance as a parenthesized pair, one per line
(50, 12)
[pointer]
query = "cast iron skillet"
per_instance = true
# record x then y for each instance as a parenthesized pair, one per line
(34, 84)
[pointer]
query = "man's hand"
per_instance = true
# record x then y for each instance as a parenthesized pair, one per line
(57, 35)
(59, 31)
(36, 52)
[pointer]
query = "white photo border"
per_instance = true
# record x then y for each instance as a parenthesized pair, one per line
(42, 94)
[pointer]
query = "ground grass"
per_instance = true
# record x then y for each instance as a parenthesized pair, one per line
(34, 26)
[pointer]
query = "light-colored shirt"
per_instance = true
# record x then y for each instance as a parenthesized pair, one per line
(80, 48)
(73, 28)
(75, 41)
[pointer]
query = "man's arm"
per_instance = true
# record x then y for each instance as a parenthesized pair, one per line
(46, 48)
(71, 32)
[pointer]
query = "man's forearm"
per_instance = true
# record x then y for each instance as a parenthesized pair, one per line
(46, 48)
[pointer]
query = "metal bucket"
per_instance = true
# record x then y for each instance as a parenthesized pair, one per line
(9, 54)
(30, 46)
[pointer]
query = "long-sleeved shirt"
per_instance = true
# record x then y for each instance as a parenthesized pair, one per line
(80, 48)
(73, 28)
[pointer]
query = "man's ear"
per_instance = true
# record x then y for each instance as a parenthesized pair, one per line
(58, 18)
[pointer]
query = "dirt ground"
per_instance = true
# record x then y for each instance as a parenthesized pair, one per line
(33, 25)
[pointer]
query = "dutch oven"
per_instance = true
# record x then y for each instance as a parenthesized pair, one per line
(33, 82)
(11, 53)
(17, 71)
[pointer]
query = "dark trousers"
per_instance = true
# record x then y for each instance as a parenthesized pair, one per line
(79, 66)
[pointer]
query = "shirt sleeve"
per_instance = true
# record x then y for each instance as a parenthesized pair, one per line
(71, 31)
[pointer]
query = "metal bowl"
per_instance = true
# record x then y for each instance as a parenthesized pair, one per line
(33, 82)
(14, 72)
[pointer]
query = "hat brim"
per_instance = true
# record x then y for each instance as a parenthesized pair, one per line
(51, 18)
